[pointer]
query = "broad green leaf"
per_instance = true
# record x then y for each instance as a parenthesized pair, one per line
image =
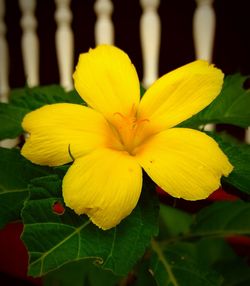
(207, 255)
(230, 107)
(223, 219)
(141, 275)
(80, 273)
(212, 250)
(173, 221)
(10, 120)
(75, 273)
(35, 97)
(220, 219)
(236, 272)
(177, 265)
(98, 277)
(239, 156)
(218, 254)
(15, 174)
(53, 240)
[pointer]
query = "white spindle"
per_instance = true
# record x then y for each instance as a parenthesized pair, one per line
(64, 43)
(104, 29)
(204, 29)
(30, 47)
(4, 71)
(150, 40)
(4, 57)
(203, 34)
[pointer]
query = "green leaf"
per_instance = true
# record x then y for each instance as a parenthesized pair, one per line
(239, 156)
(33, 98)
(75, 273)
(80, 273)
(173, 221)
(218, 254)
(207, 256)
(15, 174)
(99, 277)
(236, 272)
(142, 275)
(230, 107)
(212, 250)
(220, 219)
(70, 237)
(177, 265)
(223, 219)
(10, 120)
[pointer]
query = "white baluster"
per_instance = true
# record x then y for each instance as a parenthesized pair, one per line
(4, 57)
(4, 71)
(30, 47)
(150, 40)
(204, 29)
(104, 29)
(64, 43)
(203, 33)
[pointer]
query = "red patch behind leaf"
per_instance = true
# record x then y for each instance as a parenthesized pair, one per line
(58, 208)
(221, 195)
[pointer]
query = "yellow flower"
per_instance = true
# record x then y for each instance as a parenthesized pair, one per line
(118, 135)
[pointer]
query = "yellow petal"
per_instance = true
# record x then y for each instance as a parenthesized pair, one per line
(105, 185)
(107, 80)
(57, 130)
(180, 94)
(185, 163)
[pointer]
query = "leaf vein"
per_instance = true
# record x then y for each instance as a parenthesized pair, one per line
(165, 263)
(77, 230)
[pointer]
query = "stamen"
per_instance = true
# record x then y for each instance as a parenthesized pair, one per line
(70, 154)
(120, 114)
(143, 120)
(129, 129)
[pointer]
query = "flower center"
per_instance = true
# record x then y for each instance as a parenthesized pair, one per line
(130, 131)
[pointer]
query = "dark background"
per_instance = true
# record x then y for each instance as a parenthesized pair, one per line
(232, 40)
